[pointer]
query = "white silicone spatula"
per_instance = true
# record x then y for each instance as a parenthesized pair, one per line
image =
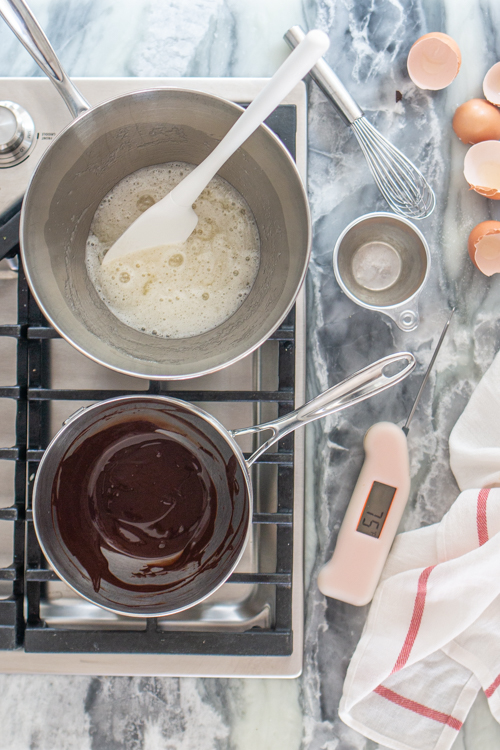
(172, 219)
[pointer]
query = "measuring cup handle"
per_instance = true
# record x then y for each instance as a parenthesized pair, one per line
(407, 319)
(23, 23)
(356, 388)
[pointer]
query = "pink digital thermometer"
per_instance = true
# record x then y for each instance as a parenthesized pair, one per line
(374, 511)
(372, 518)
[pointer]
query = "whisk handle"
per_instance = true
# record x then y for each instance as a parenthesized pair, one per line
(328, 82)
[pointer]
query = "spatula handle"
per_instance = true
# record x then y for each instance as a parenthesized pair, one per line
(295, 67)
(328, 82)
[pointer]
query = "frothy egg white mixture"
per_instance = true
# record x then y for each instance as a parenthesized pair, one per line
(181, 290)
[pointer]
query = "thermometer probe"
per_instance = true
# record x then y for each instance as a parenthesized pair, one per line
(374, 511)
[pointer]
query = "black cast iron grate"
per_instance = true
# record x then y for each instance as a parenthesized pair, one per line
(20, 623)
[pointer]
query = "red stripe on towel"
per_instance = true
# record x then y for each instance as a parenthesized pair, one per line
(416, 619)
(491, 689)
(418, 708)
(481, 519)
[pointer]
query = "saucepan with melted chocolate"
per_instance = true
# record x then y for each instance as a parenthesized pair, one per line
(143, 504)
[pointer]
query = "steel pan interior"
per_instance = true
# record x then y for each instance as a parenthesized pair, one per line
(406, 241)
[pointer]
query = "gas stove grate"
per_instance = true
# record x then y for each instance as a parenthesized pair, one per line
(21, 624)
(29, 571)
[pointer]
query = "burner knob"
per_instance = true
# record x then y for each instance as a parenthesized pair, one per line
(10, 133)
(17, 134)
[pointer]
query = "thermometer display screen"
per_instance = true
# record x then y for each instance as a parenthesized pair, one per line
(376, 509)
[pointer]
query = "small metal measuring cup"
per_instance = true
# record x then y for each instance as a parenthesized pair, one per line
(381, 261)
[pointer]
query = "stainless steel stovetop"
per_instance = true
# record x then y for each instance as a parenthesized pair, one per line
(57, 631)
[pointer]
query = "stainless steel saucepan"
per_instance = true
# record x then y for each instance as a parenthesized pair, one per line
(100, 147)
(133, 584)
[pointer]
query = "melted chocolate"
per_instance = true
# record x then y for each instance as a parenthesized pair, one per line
(140, 491)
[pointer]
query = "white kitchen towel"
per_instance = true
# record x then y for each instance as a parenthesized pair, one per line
(432, 637)
(475, 439)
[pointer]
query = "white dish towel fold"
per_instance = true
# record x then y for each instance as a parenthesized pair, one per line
(432, 637)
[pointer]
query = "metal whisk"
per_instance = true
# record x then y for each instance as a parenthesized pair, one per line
(403, 186)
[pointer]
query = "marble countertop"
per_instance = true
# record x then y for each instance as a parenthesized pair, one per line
(369, 45)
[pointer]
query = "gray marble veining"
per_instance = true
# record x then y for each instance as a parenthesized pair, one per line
(369, 45)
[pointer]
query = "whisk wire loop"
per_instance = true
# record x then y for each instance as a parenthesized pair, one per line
(386, 174)
(403, 186)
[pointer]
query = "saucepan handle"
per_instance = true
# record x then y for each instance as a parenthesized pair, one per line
(23, 23)
(362, 385)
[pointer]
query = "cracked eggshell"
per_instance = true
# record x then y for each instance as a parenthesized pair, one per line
(482, 168)
(434, 61)
(491, 84)
(484, 247)
(476, 121)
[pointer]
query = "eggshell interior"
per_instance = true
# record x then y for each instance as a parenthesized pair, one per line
(434, 61)
(482, 168)
(491, 84)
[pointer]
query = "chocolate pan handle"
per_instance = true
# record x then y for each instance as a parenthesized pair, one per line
(365, 383)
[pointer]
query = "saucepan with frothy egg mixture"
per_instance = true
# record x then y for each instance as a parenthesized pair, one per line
(180, 311)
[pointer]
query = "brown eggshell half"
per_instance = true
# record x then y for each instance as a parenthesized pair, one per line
(476, 121)
(491, 84)
(482, 168)
(484, 247)
(434, 61)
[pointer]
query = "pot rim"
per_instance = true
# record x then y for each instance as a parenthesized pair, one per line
(345, 288)
(81, 349)
(151, 398)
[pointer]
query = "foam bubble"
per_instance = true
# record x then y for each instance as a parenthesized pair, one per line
(175, 291)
